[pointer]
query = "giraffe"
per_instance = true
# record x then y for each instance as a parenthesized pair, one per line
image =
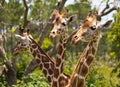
(25, 42)
(88, 32)
(60, 22)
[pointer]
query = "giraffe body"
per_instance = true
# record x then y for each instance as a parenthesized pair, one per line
(88, 32)
(43, 60)
(84, 62)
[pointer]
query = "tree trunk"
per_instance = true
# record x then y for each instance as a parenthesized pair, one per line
(10, 73)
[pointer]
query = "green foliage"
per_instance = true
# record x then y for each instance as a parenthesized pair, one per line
(13, 29)
(35, 79)
(114, 37)
(100, 76)
(82, 12)
(41, 9)
(11, 13)
(116, 73)
(47, 44)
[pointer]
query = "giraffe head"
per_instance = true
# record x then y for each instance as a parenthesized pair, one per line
(89, 29)
(23, 42)
(60, 22)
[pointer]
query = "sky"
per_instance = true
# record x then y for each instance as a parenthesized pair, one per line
(96, 3)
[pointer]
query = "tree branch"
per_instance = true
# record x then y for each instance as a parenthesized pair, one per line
(107, 10)
(25, 23)
(107, 6)
(2, 3)
(32, 65)
(10, 74)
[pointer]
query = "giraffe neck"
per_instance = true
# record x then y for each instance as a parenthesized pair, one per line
(43, 60)
(82, 68)
(59, 79)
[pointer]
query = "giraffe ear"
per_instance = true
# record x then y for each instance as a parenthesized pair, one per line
(18, 37)
(72, 18)
(105, 25)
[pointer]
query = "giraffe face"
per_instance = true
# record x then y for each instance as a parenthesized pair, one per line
(60, 22)
(22, 44)
(88, 29)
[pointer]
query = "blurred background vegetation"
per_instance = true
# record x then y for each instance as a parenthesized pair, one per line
(104, 71)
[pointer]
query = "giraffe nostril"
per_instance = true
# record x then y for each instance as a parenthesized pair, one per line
(53, 32)
(75, 36)
(59, 29)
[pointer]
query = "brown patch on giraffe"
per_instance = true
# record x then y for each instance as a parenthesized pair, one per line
(50, 71)
(73, 83)
(93, 50)
(78, 82)
(52, 65)
(56, 73)
(81, 83)
(54, 84)
(84, 70)
(49, 78)
(23, 44)
(58, 62)
(38, 60)
(81, 61)
(39, 56)
(41, 65)
(46, 66)
(44, 59)
(89, 59)
(37, 51)
(34, 46)
(60, 49)
(61, 68)
(45, 72)
(34, 53)
(31, 49)
(63, 82)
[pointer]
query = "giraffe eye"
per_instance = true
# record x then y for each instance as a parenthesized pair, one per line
(93, 27)
(63, 24)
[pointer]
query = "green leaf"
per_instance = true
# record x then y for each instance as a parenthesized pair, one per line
(12, 30)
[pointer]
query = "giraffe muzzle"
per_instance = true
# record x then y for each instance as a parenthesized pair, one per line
(52, 34)
(75, 40)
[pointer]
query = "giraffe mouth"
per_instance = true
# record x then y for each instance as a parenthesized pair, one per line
(52, 35)
(75, 41)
